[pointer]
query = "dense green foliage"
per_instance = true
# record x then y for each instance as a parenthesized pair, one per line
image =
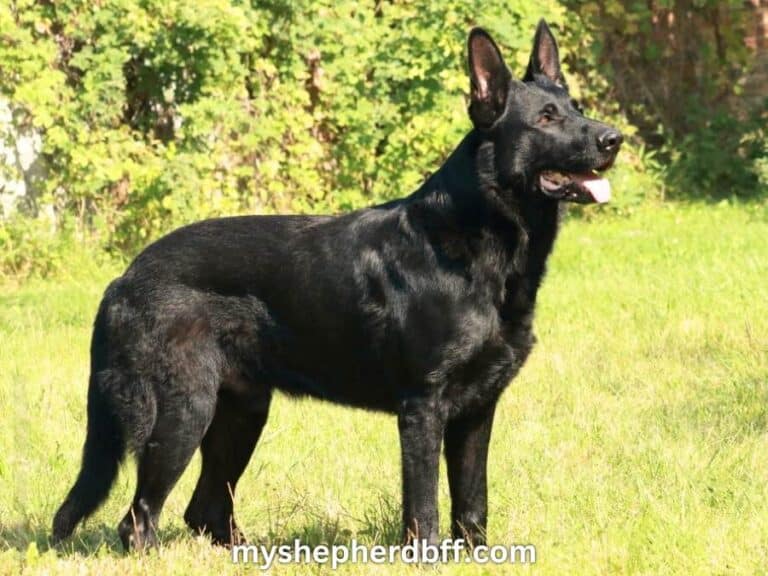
(678, 68)
(154, 113)
(158, 112)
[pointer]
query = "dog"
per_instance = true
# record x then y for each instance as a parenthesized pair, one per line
(421, 307)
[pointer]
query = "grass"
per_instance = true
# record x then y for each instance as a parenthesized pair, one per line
(635, 441)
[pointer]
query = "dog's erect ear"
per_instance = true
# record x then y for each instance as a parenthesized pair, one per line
(489, 77)
(545, 60)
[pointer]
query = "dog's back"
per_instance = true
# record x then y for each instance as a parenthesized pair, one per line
(360, 309)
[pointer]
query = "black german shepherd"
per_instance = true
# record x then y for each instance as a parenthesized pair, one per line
(421, 307)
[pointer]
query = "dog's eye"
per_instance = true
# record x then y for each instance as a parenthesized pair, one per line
(548, 113)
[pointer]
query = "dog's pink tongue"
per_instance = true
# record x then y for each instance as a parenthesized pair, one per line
(599, 188)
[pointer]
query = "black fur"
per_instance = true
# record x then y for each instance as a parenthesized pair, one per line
(421, 307)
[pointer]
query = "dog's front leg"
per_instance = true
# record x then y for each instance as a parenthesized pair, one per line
(466, 453)
(421, 429)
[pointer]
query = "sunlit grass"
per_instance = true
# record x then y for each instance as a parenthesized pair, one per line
(634, 441)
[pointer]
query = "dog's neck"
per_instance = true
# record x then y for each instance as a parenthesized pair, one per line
(469, 180)
(468, 194)
(468, 187)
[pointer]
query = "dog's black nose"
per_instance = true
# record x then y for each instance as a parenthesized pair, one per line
(609, 141)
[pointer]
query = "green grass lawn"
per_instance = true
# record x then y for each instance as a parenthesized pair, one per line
(635, 439)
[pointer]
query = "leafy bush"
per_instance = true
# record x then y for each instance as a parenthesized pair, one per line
(28, 246)
(154, 113)
(676, 70)
(39, 247)
(724, 157)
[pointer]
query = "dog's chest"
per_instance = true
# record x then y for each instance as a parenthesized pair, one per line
(483, 354)
(477, 373)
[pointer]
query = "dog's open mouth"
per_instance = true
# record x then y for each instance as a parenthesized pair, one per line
(584, 187)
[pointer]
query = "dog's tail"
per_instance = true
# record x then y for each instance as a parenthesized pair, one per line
(103, 451)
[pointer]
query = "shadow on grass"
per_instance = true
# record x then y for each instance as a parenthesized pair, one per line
(86, 540)
(380, 524)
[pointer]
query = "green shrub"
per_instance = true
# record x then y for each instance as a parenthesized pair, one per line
(37, 247)
(675, 69)
(155, 113)
(723, 157)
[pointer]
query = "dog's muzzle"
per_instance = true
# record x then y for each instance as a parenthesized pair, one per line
(584, 188)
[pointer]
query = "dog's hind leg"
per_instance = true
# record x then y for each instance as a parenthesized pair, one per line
(182, 419)
(226, 450)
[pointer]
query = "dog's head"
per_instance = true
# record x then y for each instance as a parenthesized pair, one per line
(538, 132)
